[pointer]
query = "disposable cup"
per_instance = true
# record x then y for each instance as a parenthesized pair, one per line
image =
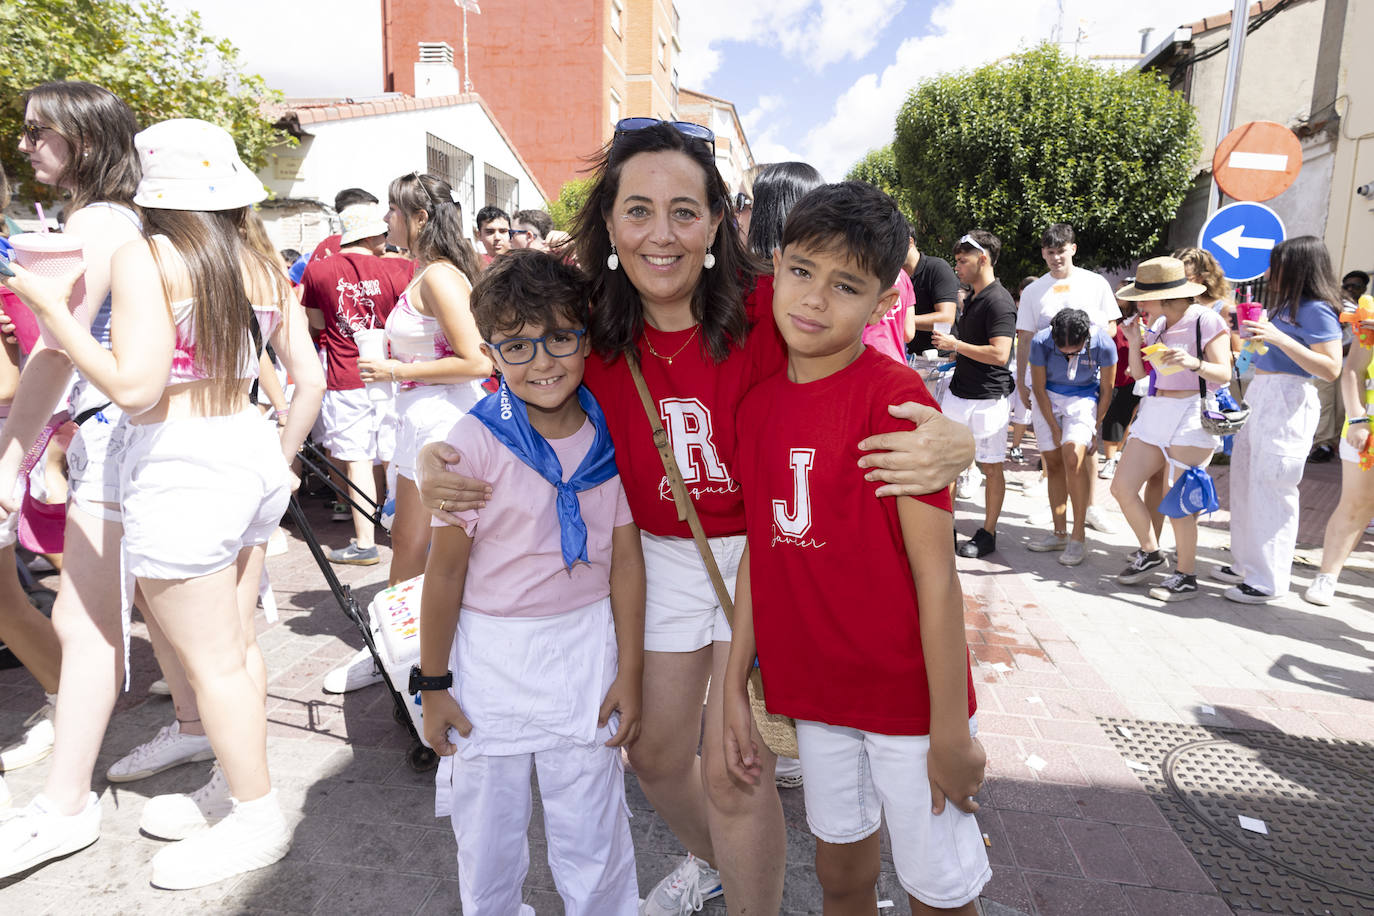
(1247, 311)
(372, 345)
(50, 254)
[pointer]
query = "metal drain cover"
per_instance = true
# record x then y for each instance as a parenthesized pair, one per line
(1315, 797)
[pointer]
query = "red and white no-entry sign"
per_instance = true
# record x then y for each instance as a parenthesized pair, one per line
(1257, 161)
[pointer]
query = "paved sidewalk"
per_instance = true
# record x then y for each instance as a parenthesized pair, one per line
(1056, 649)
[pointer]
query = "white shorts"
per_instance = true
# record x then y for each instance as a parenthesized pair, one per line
(1020, 415)
(681, 613)
(93, 462)
(854, 779)
(425, 415)
(353, 425)
(1076, 416)
(986, 419)
(199, 490)
(1163, 422)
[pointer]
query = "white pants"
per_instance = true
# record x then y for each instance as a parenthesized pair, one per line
(1267, 463)
(586, 822)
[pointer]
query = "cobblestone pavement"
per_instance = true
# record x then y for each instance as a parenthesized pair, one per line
(1070, 824)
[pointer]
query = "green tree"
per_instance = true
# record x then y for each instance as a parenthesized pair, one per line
(1044, 138)
(570, 199)
(879, 168)
(161, 64)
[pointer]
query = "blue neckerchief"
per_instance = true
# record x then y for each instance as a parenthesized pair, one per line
(508, 419)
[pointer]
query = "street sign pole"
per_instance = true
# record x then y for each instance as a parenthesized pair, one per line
(1240, 18)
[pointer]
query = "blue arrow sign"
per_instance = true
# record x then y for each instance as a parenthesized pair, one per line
(1241, 237)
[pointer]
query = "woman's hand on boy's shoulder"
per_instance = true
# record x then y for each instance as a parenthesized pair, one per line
(444, 492)
(626, 697)
(442, 712)
(917, 461)
(955, 767)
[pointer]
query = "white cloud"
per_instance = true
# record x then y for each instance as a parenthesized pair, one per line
(968, 33)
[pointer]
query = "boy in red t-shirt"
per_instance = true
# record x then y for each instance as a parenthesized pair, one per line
(852, 603)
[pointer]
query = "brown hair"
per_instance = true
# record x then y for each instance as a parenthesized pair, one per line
(100, 130)
(223, 268)
(1205, 268)
(718, 300)
(442, 237)
(528, 287)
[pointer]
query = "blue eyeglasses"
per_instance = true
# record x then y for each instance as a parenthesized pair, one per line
(686, 128)
(516, 351)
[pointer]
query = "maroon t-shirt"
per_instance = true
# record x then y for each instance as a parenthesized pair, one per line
(353, 291)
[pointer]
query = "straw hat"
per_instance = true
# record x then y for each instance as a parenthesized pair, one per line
(190, 164)
(361, 221)
(1160, 278)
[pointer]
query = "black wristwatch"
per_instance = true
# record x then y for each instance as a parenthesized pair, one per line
(419, 682)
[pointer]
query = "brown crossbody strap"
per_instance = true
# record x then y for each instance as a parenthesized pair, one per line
(686, 511)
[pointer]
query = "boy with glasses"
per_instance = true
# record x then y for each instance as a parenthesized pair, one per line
(531, 230)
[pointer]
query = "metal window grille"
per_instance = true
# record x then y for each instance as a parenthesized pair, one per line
(502, 190)
(455, 166)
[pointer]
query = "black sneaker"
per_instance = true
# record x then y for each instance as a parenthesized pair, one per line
(1227, 574)
(980, 545)
(1321, 454)
(1142, 564)
(1178, 587)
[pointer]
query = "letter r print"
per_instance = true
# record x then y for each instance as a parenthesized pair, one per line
(798, 522)
(689, 429)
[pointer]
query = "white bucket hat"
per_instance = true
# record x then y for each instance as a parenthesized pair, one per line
(361, 221)
(190, 164)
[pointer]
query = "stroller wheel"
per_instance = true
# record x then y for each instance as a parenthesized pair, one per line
(421, 758)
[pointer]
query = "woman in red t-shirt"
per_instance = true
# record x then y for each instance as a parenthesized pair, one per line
(674, 288)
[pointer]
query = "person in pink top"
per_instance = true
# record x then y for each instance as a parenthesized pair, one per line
(548, 580)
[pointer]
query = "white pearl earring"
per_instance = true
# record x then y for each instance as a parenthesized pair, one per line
(613, 261)
(709, 261)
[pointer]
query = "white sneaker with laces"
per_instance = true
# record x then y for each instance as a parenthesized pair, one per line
(1108, 470)
(169, 748)
(788, 774)
(963, 488)
(358, 672)
(38, 834)
(1095, 519)
(253, 836)
(177, 816)
(1322, 591)
(37, 741)
(684, 891)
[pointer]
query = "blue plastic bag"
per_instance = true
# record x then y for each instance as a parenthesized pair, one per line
(1192, 493)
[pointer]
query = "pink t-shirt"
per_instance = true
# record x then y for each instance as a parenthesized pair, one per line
(516, 566)
(1183, 336)
(888, 336)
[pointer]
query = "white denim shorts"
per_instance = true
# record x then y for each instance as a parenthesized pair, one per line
(854, 779)
(986, 419)
(199, 490)
(93, 462)
(425, 415)
(1076, 416)
(1163, 422)
(354, 426)
(681, 613)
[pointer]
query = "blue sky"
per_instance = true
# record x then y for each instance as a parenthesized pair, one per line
(817, 80)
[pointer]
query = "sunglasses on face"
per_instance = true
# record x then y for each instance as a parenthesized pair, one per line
(33, 132)
(514, 232)
(686, 128)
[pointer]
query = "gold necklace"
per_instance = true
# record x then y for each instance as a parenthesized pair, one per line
(679, 350)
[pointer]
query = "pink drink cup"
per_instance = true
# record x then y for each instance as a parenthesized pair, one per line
(49, 254)
(1247, 311)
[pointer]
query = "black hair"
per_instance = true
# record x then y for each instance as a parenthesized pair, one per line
(538, 219)
(350, 196)
(1070, 328)
(777, 188)
(529, 287)
(718, 300)
(442, 237)
(289, 255)
(857, 218)
(489, 213)
(991, 244)
(1356, 275)
(1057, 236)
(1300, 271)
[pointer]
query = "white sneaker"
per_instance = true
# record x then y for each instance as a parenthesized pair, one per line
(37, 741)
(963, 488)
(1095, 519)
(684, 891)
(1073, 554)
(169, 748)
(359, 671)
(253, 836)
(38, 834)
(177, 816)
(1322, 591)
(1108, 470)
(1049, 542)
(788, 774)
(159, 688)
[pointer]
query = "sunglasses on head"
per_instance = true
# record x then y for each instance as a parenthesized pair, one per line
(686, 128)
(743, 202)
(970, 240)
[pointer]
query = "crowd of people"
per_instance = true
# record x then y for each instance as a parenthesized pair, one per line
(625, 461)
